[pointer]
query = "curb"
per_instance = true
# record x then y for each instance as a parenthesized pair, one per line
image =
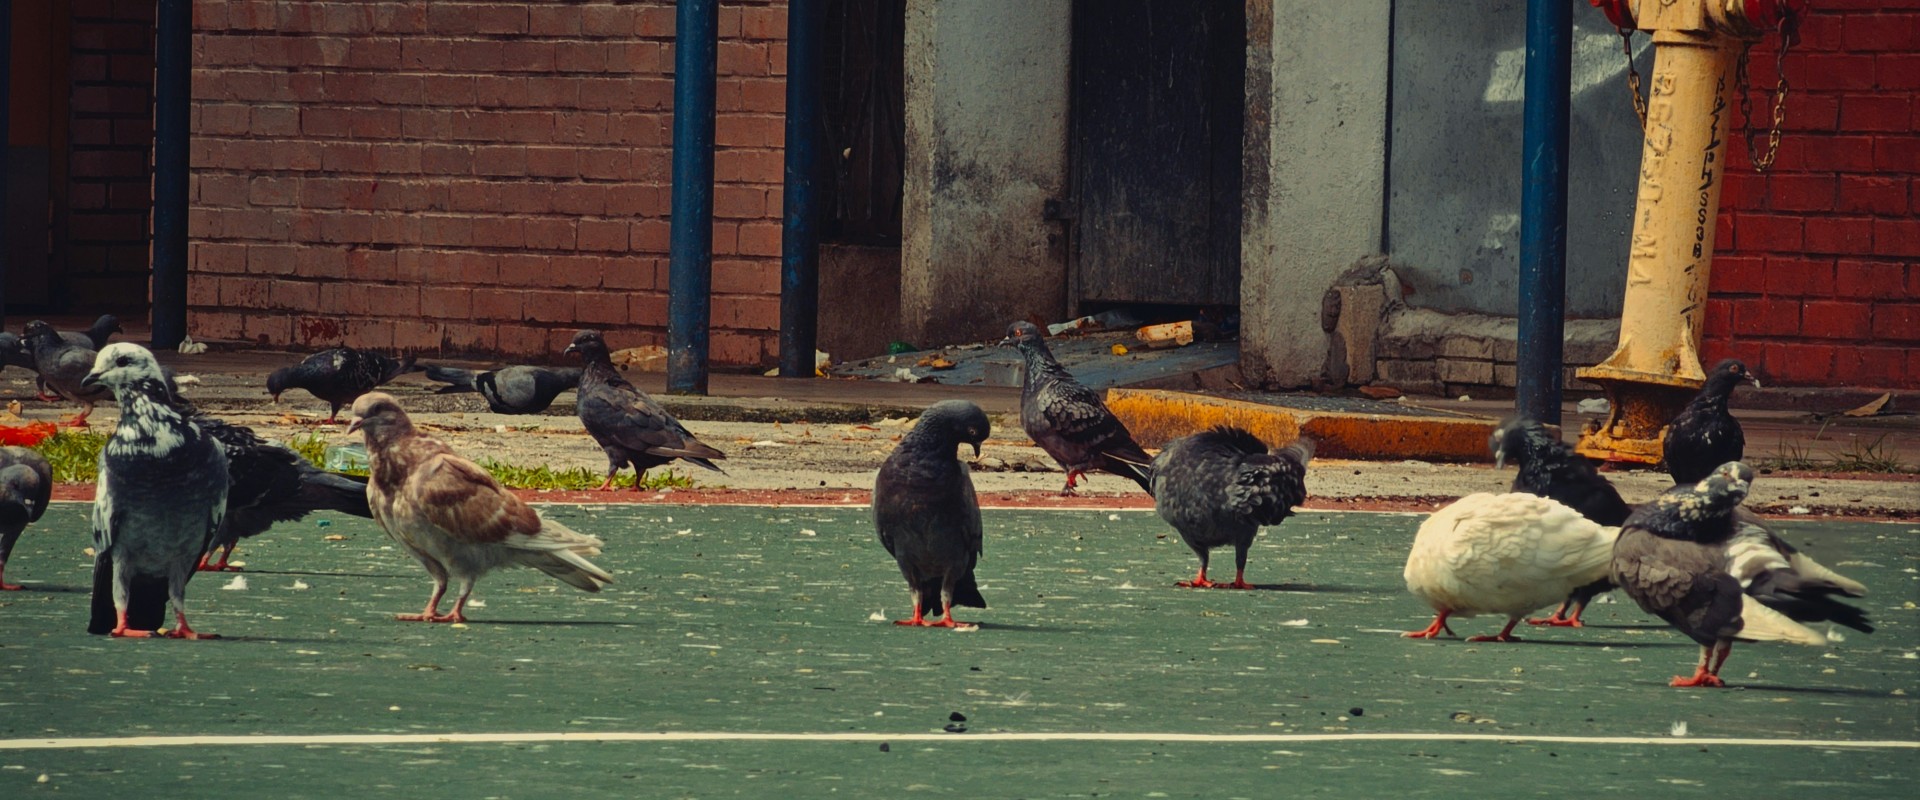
(1158, 416)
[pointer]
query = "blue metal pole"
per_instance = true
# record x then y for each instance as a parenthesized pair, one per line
(172, 95)
(1543, 209)
(690, 249)
(800, 234)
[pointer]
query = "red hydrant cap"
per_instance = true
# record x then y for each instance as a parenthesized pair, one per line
(1771, 13)
(1618, 12)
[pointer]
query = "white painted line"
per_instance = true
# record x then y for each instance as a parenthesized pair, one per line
(108, 742)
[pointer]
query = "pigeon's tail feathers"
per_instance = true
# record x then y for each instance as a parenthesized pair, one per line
(1138, 473)
(693, 451)
(1301, 451)
(332, 491)
(966, 592)
(1763, 624)
(455, 378)
(1239, 439)
(1817, 576)
(562, 552)
(405, 366)
(1267, 487)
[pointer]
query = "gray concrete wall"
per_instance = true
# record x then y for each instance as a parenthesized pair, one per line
(1454, 214)
(987, 90)
(1314, 172)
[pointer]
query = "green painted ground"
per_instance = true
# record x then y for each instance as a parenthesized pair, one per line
(768, 620)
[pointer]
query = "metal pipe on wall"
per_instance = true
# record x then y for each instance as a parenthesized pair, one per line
(690, 248)
(172, 98)
(1543, 210)
(800, 231)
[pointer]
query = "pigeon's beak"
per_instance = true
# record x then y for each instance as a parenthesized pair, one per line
(354, 426)
(1500, 459)
(976, 449)
(1753, 379)
(92, 380)
(572, 348)
(1006, 342)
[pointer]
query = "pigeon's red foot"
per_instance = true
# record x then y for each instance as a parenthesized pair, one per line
(125, 632)
(77, 422)
(608, 486)
(1701, 678)
(184, 632)
(950, 622)
(9, 587)
(1502, 636)
(430, 617)
(1238, 583)
(1200, 583)
(1432, 631)
(223, 566)
(1558, 621)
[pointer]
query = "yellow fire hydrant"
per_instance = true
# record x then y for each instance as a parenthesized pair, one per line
(1656, 367)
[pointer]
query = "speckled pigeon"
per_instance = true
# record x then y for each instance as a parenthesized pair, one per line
(455, 518)
(162, 494)
(1069, 420)
(1672, 559)
(926, 514)
(62, 366)
(629, 425)
(1218, 487)
(1705, 435)
(338, 376)
(1549, 468)
(509, 390)
(26, 484)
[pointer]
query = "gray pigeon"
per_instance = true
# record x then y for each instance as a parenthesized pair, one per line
(925, 511)
(13, 353)
(1068, 420)
(338, 376)
(629, 425)
(1672, 558)
(26, 484)
(95, 337)
(161, 497)
(63, 366)
(509, 390)
(1218, 487)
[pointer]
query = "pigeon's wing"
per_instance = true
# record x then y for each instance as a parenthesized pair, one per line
(466, 503)
(1076, 412)
(632, 420)
(1680, 582)
(970, 513)
(42, 492)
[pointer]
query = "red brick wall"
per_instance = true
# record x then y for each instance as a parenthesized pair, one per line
(471, 177)
(112, 139)
(1817, 281)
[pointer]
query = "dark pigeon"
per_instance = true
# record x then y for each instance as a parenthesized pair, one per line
(63, 366)
(162, 495)
(1550, 469)
(1705, 435)
(269, 483)
(629, 425)
(338, 376)
(26, 484)
(925, 511)
(1671, 558)
(509, 390)
(1069, 420)
(13, 352)
(95, 337)
(1218, 487)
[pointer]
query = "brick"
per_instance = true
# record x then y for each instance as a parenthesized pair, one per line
(1835, 320)
(647, 308)
(1766, 317)
(1875, 113)
(1793, 276)
(1881, 32)
(1863, 194)
(1896, 237)
(1800, 192)
(497, 304)
(1896, 154)
(1798, 364)
(446, 302)
(1838, 235)
(1869, 279)
(1869, 366)
(600, 308)
(1897, 322)
(546, 306)
(1768, 233)
(1895, 71)
(603, 235)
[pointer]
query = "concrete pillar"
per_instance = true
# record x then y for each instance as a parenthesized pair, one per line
(1314, 172)
(986, 98)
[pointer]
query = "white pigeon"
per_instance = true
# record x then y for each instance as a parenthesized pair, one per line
(454, 517)
(1507, 554)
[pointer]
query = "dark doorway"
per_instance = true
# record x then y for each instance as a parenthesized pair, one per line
(1158, 98)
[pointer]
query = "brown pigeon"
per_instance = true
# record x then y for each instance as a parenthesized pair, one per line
(454, 517)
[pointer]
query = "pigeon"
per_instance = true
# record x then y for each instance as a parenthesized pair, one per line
(1672, 558)
(63, 366)
(95, 337)
(1549, 468)
(454, 517)
(1503, 554)
(26, 484)
(1704, 435)
(1218, 487)
(629, 425)
(338, 376)
(926, 514)
(269, 483)
(13, 353)
(1069, 421)
(162, 494)
(509, 390)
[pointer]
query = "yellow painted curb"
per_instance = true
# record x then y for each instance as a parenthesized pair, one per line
(1158, 416)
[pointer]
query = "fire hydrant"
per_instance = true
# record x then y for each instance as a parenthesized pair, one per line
(1655, 368)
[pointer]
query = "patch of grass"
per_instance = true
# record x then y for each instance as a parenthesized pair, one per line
(73, 455)
(1863, 456)
(516, 476)
(1789, 457)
